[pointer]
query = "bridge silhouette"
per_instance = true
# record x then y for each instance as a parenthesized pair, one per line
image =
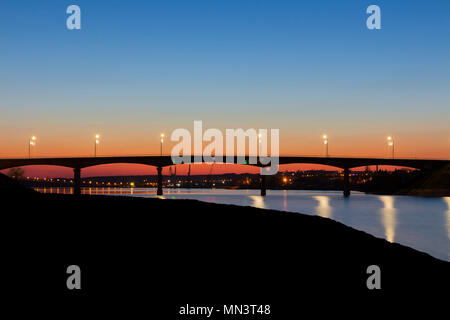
(77, 164)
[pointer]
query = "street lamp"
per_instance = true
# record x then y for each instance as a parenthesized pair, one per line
(390, 142)
(162, 141)
(32, 143)
(97, 142)
(325, 142)
(259, 144)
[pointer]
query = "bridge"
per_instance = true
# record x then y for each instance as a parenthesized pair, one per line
(77, 164)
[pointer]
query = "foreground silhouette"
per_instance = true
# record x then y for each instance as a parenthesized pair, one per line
(137, 253)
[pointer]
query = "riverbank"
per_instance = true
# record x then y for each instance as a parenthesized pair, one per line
(182, 251)
(437, 184)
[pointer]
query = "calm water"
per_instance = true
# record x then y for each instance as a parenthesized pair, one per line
(420, 223)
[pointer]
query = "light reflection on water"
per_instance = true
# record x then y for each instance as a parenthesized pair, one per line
(447, 199)
(420, 223)
(323, 208)
(258, 202)
(388, 216)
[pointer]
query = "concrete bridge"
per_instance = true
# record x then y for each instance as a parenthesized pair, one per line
(77, 164)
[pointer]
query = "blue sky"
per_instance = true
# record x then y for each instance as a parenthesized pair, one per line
(302, 66)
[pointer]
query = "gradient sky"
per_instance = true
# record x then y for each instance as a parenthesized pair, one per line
(138, 68)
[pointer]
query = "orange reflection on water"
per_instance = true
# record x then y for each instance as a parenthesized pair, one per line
(285, 206)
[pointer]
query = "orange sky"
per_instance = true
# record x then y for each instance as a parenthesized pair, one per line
(302, 138)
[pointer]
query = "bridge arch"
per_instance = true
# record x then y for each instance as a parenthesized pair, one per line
(311, 163)
(34, 165)
(119, 163)
(386, 165)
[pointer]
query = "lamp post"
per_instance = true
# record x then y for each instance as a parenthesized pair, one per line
(325, 142)
(97, 142)
(32, 143)
(390, 142)
(259, 144)
(162, 141)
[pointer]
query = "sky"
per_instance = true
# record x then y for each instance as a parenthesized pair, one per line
(308, 68)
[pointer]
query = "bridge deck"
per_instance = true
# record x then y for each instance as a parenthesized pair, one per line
(162, 161)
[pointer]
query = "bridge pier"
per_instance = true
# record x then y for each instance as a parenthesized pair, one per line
(77, 181)
(346, 182)
(263, 185)
(159, 191)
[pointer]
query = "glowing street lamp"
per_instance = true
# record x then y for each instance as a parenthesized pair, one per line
(32, 143)
(97, 142)
(390, 142)
(162, 141)
(259, 144)
(325, 142)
